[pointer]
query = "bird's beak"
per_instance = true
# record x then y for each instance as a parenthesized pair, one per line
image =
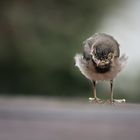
(97, 62)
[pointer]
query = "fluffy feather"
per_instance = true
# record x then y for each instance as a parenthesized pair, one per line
(88, 69)
(101, 61)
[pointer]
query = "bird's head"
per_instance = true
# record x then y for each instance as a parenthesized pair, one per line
(102, 55)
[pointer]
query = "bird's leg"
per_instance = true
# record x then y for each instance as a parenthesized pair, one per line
(95, 99)
(111, 94)
(112, 100)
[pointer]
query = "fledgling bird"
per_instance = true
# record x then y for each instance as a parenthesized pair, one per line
(101, 61)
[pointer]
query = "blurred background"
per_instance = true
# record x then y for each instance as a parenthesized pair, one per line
(39, 39)
(42, 94)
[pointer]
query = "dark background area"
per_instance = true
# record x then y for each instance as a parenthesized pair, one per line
(38, 40)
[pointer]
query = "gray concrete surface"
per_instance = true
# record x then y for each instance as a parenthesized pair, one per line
(55, 119)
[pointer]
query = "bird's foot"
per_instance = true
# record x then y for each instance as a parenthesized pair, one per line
(95, 100)
(117, 101)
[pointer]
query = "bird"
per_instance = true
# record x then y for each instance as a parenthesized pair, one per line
(101, 61)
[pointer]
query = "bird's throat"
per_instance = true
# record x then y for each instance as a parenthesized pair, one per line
(103, 68)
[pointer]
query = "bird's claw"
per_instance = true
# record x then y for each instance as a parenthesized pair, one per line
(117, 101)
(95, 100)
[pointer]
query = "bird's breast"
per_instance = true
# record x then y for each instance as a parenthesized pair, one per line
(102, 67)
